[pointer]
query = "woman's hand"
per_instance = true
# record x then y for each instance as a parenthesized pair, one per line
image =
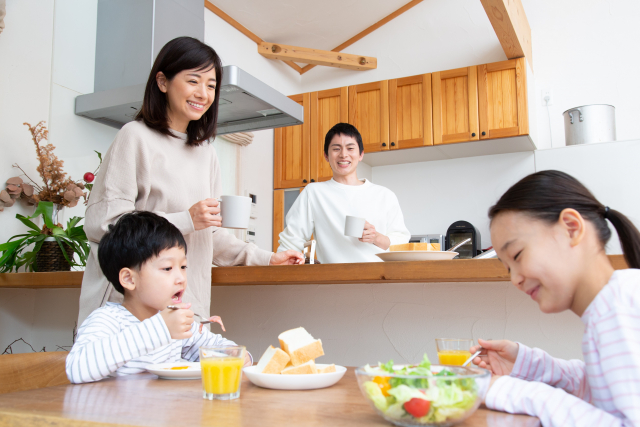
(289, 257)
(205, 214)
(370, 235)
(498, 356)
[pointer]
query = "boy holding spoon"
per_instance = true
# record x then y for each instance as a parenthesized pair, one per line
(145, 258)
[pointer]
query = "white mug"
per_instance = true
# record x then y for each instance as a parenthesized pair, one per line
(354, 226)
(235, 211)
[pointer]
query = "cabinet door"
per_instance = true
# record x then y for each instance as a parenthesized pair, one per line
(328, 108)
(291, 150)
(410, 112)
(502, 95)
(455, 105)
(369, 113)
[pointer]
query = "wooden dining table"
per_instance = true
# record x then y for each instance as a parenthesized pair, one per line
(145, 400)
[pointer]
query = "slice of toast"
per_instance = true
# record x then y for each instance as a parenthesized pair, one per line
(300, 346)
(327, 369)
(415, 247)
(273, 361)
(305, 368)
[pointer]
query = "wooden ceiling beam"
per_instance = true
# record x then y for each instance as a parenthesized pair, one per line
(244, 30)
(511, 26)
(369, 30)
(317, 57)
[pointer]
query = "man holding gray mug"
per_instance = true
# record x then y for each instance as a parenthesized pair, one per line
(352, 220)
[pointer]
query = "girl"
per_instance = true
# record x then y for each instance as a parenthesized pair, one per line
(164, 162)
(550, 233)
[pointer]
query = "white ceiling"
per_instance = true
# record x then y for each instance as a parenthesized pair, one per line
(315, 24)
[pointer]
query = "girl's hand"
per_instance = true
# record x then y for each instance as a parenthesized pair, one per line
(205, 214)
(498, 356)
(494, 378)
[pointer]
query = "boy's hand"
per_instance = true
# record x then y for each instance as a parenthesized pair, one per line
(178, 321)
(247, 360)
(498, 356)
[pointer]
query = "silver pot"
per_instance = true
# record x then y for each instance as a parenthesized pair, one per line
(590, 123)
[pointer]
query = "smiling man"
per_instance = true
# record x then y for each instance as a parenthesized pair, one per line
(321, 209)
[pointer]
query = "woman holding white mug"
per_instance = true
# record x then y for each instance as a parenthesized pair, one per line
(164, 162)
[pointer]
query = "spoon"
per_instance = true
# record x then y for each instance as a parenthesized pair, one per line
(458, 245)
(473, 356)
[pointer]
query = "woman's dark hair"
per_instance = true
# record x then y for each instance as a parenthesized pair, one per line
(133, 240)
(343, 129)
(544, 195)
(182, 53)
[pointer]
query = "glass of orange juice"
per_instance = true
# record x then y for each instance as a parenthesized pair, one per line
(221, 371)
(452, 351)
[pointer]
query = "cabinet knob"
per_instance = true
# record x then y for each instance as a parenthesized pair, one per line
(393, 144)
(473, 134)
(304, 181)
(313, 180)
(484, 133)
(384, 144)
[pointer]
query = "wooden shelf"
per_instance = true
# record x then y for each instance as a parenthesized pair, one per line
(490, 270)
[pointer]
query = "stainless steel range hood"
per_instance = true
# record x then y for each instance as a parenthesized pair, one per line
(129, 36)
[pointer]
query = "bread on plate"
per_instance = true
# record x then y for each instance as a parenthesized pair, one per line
(300, 346)
(273, 361)
(308, 367)
(415, 247)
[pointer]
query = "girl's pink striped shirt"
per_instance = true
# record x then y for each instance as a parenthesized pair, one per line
(602, 390)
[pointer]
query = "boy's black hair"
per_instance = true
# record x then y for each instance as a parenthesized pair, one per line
(133, 240)
(343, 129)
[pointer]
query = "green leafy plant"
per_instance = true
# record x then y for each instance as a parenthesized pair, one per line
(13, 253)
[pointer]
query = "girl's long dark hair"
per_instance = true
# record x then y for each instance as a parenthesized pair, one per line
(544, 195)
(182, 53)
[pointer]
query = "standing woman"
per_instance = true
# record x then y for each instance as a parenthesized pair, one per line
(164, 162)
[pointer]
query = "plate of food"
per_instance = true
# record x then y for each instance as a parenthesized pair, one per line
(416, 252)
(177, 370)
(293, 366)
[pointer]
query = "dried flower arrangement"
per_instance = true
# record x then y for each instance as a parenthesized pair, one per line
(56, 188)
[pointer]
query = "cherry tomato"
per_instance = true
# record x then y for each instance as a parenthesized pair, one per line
(383, 383)
(417, 407)
(89, 177)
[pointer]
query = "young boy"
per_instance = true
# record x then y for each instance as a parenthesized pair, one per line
(145, 258)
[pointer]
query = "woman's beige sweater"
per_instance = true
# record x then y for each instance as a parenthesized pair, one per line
(145, 170)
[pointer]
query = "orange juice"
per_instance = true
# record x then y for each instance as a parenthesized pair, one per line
(221, 375)
(453, 357)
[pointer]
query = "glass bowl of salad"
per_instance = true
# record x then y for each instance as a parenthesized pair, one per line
(423, 394)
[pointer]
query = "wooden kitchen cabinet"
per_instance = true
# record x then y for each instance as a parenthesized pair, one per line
(369, 113)
(502, 99)
(455, 105)
(291, 150)
(328, 108)
(410, 112)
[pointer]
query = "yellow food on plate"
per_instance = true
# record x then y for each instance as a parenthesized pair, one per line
(177, 368)
(415, 247)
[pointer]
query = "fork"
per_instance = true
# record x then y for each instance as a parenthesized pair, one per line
(204, 321)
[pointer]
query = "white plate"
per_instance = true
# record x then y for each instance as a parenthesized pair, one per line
(417, 255)
(294, 382)
(163, 370)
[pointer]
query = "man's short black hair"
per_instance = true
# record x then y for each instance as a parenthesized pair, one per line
(343, 129)
(133, 240)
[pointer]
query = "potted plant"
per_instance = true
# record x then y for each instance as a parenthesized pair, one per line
(53, 246)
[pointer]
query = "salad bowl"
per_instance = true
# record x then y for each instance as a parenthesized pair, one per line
(424, 394)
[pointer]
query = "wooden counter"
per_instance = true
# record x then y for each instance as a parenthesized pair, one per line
(490, 270)
(144, 400)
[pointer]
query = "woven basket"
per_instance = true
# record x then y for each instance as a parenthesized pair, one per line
(51, 258)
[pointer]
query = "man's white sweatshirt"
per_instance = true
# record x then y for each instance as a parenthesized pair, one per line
(321, 210)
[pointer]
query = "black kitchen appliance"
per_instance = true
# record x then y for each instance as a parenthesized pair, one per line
(462, 230)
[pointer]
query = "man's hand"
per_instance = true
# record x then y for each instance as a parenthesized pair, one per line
(370, 235)
(205, 214)
(178, 321)
(289, 257)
